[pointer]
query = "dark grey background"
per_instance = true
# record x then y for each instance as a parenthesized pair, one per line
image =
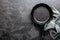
(15, 18)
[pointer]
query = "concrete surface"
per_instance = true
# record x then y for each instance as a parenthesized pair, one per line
(15, 17)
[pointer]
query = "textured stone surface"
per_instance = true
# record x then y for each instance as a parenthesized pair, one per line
(15, 18)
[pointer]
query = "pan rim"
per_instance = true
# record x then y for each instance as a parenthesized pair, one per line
(41, 5)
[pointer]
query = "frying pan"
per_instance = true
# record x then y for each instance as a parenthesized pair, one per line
(41, 14)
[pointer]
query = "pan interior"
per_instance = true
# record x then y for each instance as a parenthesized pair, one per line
(41, 14)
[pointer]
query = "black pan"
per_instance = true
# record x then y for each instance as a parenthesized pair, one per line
(41, 14)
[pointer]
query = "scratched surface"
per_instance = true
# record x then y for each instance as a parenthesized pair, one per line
(15, 18)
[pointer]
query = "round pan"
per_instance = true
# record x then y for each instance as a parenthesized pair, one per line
(41, 5)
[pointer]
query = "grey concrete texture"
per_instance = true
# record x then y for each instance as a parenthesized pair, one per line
(15, 18)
